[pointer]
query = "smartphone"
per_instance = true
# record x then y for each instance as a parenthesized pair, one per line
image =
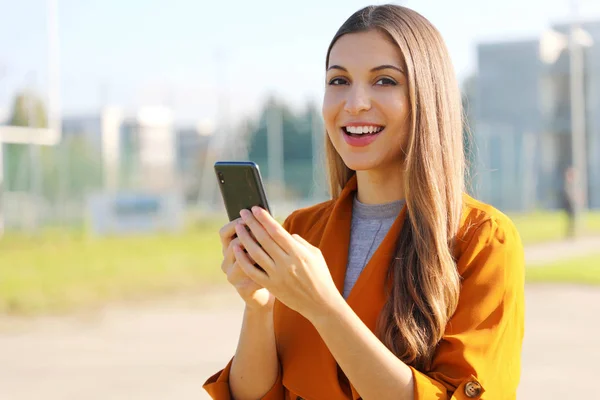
(241, 186)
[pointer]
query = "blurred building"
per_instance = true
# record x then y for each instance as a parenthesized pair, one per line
(191, 147)
(142, 149)
(136, 149)
(110, 156)
(147, 150)
(85, 127)
(558, 108)
(522, 123)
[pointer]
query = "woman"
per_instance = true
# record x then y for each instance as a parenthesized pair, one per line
(401, 286)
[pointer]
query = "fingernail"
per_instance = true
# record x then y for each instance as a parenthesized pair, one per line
(255, 209)
(244, 213)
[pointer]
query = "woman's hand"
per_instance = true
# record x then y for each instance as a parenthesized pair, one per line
(295, 271)
(255, 296)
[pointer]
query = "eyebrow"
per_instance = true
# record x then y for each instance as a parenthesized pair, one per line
(379, 68)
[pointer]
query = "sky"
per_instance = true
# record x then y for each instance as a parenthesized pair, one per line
(195, 55)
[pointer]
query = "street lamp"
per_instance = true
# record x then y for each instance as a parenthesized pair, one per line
(552, 44)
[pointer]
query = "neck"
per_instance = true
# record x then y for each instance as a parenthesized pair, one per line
(380, 186)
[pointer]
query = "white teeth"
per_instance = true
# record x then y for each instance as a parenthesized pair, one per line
(359, 130)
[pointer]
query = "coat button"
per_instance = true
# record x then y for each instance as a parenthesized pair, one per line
(472, 389)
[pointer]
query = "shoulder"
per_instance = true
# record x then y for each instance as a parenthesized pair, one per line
(478, 215)
(300, 220)
(487, 234)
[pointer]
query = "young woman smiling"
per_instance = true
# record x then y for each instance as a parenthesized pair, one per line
(401, 286)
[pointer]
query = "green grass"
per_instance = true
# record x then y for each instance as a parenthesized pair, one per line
(61, 270)
(548, 226)
(583, 270)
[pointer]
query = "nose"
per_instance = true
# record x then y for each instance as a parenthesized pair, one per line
(358, 100)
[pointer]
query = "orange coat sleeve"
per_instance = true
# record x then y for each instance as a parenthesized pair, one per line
(217, 385)
(479, 356)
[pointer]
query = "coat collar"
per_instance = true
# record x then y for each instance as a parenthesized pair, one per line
(335, 243)
(309, 368)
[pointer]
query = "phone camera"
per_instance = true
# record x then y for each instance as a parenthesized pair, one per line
(221, 177)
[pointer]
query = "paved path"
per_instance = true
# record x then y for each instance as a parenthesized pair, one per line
(165, 349)
(543, 253)
(153, 351)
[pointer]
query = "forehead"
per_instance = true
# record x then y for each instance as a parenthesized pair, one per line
(366, 49)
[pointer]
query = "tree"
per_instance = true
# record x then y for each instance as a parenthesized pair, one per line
(297, 145)
(469, 100)
(296, 133)
(28, 110)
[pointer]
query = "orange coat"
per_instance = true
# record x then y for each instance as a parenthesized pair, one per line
(479, 355)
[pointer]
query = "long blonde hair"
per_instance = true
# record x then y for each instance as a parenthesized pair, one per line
(425, 283)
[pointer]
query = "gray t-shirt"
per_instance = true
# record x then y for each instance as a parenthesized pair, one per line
(370, 224)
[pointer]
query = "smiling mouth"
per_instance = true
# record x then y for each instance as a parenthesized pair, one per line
(358, 131)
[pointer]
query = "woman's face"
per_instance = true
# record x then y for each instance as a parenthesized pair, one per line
(366, 106)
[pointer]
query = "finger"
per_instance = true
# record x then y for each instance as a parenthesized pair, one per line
(229, 256)
(237, 242)
(301, 240)
(262, 236)
(228, 230)
(236, 274)
(274, 229)
(249, 269)
(306, 244)
(227, 233)
(254, 250)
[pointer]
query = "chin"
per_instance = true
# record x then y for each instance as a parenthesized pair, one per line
(361, 163)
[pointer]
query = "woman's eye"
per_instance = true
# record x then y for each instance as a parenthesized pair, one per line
(386, 82)
(338, 81)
